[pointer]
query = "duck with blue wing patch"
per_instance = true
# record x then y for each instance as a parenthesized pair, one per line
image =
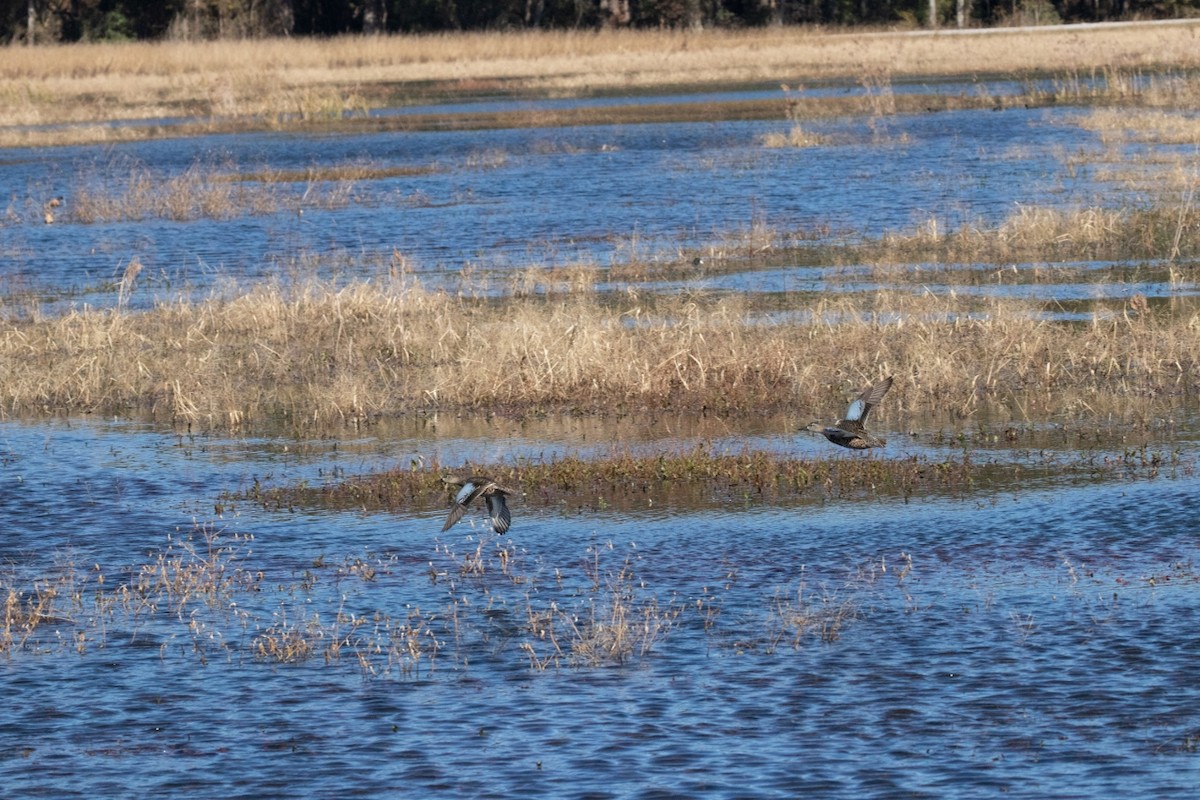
(850, 431)
(477, 486)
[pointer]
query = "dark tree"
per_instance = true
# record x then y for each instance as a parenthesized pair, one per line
(75, 20)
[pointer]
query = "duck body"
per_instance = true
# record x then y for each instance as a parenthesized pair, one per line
(848, 434)
(478, 486)
(850, 431)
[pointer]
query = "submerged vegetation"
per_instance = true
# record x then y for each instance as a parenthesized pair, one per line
(202, 192)
(209, 594)
(206, 595)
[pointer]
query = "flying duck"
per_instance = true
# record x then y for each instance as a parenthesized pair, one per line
(849, 432)
(477, 486)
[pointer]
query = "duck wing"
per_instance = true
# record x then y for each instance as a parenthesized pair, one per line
(498, 511)
(868, 399)
(469, 491)
(456, 513)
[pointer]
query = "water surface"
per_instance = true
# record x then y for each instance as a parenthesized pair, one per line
(1031, 636)
(508, 198)
(1030, 641)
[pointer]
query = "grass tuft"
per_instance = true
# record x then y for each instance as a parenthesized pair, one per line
(823, 617)
(322, 356)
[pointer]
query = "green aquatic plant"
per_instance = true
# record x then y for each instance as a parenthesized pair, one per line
(701, 478)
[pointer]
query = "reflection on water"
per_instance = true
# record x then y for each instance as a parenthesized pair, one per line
(1038, 640)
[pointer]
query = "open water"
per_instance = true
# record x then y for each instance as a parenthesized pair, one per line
(492, 200)
(1019, 639)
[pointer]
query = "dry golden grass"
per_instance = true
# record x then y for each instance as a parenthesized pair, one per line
(192, 194)
(1120, 83)
(24, 611)
(822, 616)
(208, 596)
(220, 606)
(190, 571)
(202, 590)
(1033, 233)
(1118, 126)
(620, 621)
(277, 80)
(323, 355)
(795, 136)
(201, 191)
(124, 190)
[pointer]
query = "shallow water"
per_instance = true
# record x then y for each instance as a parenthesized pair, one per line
(494, 200)
(819, 89)
(1042, 641)
(1030, 637)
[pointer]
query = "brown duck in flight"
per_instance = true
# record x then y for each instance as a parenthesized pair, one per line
(849, 432)
(477, 486)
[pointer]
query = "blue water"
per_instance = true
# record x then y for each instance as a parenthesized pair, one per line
(1042, 641)
(498, 199)
(1026, 638)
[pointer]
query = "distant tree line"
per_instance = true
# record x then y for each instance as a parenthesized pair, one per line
(78, 20)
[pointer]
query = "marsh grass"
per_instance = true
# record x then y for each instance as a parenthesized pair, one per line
(204, 591)
(198, 568)
(305, 82)
(625, 481)
(27, 610)
(823, 614)
(621, 621)
(122, 191)
(617, 620)
(796, 135)
(206, 595)
(193, 580)
(1036, 233)
(146, 195)
(319, 355)
(378, 644)
(1119, 85)
(701, 478)
(355, 172)
(206, 192)
(1157, 126)
(290, 641)
(312, 354)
